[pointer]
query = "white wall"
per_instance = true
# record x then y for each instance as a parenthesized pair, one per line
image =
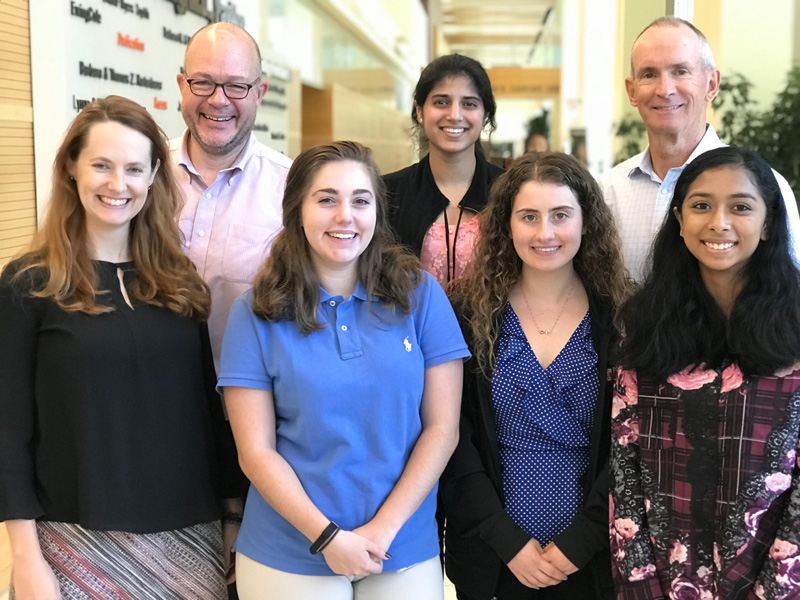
(757, 40)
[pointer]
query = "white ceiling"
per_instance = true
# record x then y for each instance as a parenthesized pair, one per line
(504, 32)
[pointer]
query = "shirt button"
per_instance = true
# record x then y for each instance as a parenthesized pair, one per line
(208, 195)
(201, 233)
(344, 327)
(333, 302)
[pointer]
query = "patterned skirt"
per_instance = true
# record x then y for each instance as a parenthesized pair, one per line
(185, 564)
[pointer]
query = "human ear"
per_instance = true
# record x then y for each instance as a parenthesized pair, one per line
(629, 87)
(262, 88)
(678, 216)
(419, 114)
(155, 170)
(713, 84)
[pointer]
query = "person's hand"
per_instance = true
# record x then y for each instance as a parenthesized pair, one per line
(351, 554)
(531, 568)
(33, 579)
(383, 539)
(556, 558)
(230, 529)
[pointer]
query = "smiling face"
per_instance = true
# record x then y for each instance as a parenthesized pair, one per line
(452, 115)
(546, 226)
(112, 174)
(723, 219)
(339, 213)
(218, 125)
(670, 85)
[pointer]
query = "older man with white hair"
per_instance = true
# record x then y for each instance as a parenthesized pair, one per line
(672, 81)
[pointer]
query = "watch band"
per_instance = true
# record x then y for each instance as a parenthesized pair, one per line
(324, 538)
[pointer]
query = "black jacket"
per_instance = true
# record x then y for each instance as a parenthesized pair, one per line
(415, 201)
(481, 537)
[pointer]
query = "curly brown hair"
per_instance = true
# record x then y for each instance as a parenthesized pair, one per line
(483, 295)
(165, 276)
(287, 287)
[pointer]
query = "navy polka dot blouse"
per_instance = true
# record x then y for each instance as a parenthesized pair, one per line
(544, 423)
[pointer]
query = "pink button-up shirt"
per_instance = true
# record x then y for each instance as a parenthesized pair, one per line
(229, 226)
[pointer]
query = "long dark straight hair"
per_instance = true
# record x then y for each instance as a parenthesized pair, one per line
(674, 322)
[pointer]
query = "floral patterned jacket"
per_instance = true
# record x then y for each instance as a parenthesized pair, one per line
(705, 486)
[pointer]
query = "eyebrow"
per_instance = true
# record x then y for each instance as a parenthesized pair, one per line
(207, 77)
(334, 191)
(449, 96)
(108, 160)
(554, 209)
(679, 65)
(737, 195)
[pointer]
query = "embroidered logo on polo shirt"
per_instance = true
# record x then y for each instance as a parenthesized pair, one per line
(407, 344)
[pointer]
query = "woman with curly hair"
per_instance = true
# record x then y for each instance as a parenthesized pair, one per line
(705, 480)
(435, 202)
(114, 452)
(525, 491)
(342, 378)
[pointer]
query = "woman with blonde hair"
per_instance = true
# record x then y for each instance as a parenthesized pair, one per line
(342, 378)
(114, 454)
(525, 492)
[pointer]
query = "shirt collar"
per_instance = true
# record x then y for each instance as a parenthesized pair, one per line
(709, 141)
(186, 163)
(360, 292)
(475, 197)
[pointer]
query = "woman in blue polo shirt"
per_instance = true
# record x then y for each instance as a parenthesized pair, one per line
(342, 377)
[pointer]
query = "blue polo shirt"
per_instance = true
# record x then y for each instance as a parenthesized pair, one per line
(347, 405)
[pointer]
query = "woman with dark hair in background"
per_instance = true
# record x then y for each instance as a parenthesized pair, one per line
(342, 378)
(705, 482)
(113, 445)
(435, 201)
(525, 493)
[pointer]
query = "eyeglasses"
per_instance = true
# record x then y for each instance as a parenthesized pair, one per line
(233, 91)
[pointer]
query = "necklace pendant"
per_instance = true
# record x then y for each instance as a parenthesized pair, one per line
(543, 332)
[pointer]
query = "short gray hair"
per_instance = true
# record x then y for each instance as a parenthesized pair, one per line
(706, 55)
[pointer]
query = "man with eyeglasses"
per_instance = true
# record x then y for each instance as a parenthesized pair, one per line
(232, 184)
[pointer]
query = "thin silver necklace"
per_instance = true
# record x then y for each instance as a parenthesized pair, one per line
(553, 326)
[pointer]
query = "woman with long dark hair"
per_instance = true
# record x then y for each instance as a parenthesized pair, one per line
(114, 452)
(435, 201)
(705, 488)
(524, 493)
(342, 379)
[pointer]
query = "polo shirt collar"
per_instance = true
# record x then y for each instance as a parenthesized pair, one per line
(360, 292)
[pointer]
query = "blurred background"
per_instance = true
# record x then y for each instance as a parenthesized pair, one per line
(346, 69)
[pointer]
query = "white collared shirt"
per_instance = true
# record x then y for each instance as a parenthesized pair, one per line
(228, 227)
(640, 200)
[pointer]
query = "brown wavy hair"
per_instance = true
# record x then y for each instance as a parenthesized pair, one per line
(287, 287)
(483, 295)
(164, 274)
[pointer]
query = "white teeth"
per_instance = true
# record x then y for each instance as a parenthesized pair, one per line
(453, 129)
(217, 118)
(723, 246)
(343, 236)
(113, 201)
(548, 249)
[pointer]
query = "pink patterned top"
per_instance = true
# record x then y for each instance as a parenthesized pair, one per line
(434, 249)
